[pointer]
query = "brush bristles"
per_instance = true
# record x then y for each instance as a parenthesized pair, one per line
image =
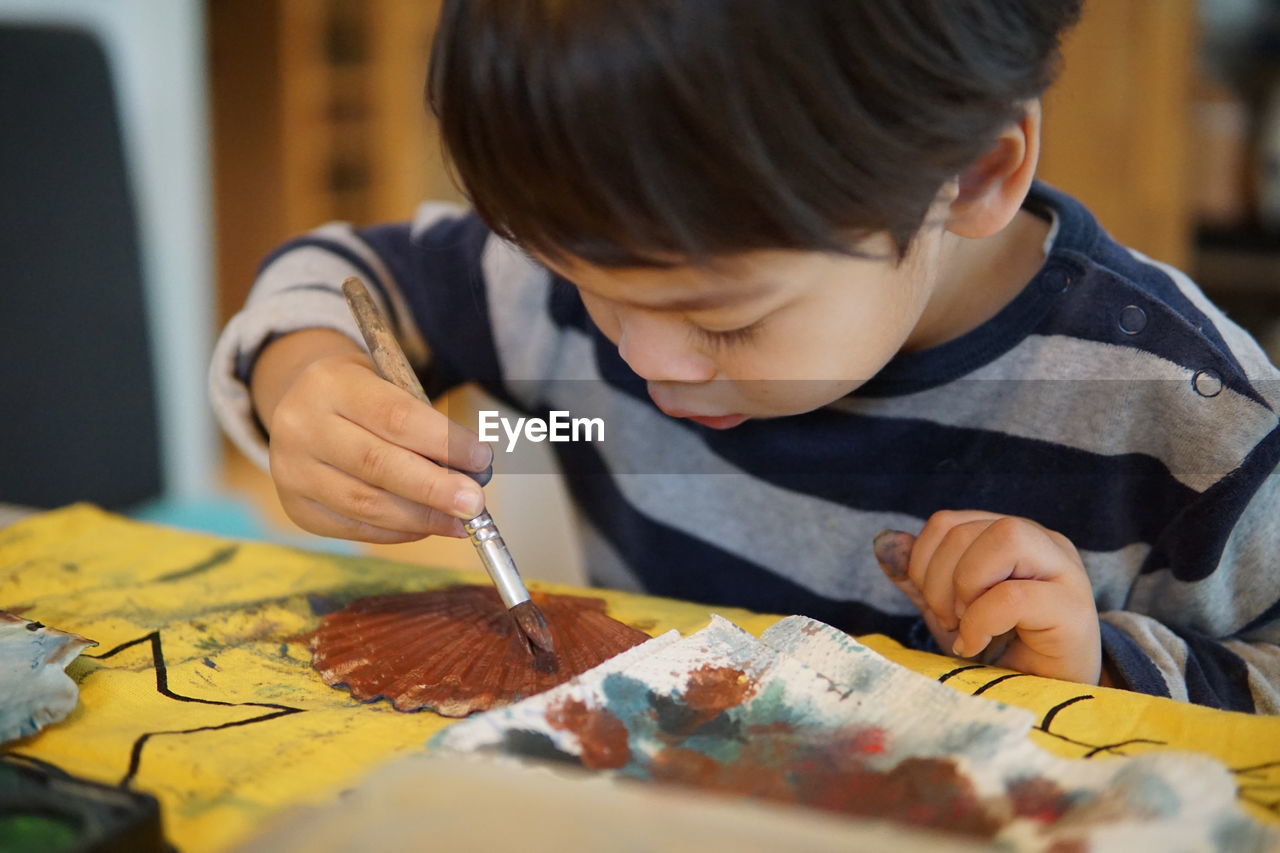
(533, 625)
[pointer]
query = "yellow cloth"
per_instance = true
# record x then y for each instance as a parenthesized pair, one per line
(203, 694)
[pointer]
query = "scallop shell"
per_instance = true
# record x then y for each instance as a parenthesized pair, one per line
(34, 690)
(457, 650)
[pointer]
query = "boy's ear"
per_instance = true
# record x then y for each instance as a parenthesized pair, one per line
(991, 191)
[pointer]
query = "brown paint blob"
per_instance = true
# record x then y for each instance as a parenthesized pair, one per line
(716, 688)
(925, 792)
(1039, 799)
(457, 650)
(602, 735)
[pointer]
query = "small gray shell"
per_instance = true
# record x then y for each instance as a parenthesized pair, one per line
(34, 690)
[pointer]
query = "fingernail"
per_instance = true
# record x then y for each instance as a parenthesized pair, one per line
(481, 457)
(893, 550)
(468, 502)
(958, 649)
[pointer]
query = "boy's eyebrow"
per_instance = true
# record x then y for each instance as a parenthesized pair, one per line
(705, 302)
(723, 297)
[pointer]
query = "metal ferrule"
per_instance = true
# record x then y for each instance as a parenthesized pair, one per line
(497, 560)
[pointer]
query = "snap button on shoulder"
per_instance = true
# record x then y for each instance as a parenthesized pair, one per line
(1132, 319)
(1207, 383)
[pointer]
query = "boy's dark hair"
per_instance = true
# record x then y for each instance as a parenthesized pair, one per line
(651, 132)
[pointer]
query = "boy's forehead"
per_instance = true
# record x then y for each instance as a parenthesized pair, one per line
(722, 284)
(675, 288)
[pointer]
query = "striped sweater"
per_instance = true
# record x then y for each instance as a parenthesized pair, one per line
(1110, 401)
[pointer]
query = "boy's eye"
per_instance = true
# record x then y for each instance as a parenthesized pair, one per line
(731, 337)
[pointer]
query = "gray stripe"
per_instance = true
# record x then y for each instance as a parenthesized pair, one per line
(526, 339)
(1079, 394)
(1263, 662)
(1165, 649)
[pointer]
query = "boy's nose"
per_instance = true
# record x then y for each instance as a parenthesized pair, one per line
(658, 349)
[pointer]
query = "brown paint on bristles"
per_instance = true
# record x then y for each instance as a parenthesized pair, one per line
(534, 625)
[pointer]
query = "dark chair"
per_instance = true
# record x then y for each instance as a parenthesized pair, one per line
(78, 416)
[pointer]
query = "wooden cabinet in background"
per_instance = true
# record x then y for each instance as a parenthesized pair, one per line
(1118, 122)
(318, 114)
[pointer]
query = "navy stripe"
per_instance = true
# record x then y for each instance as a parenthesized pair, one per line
(673, 564)
(445, 290)
(336, 248)
(392, 244)
(1155, 282)
(913, 372)
(1216, 676)
(1084, 284)
(1081, 237)
(1192, 546)
(917, 467)
(564, 306)
(247, 360)
(313, 286)
(1178, 333)
(1127, 660)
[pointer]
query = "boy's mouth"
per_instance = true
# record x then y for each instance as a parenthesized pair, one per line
(711, 421)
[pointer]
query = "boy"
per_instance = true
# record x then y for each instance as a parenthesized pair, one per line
(798, 246)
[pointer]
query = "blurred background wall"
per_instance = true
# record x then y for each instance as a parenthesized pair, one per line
(155, 56)
(1166, 122)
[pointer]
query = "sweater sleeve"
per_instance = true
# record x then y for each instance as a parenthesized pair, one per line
(1202, 623)
(299, 286)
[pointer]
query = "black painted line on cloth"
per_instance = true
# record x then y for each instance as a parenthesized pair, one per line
(993, 682)
(162, 687)
(217, 558)
(135, 754)
(947, 675)
(1111, 747)
(1053, 712)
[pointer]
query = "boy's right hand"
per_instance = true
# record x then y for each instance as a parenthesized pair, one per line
(355, 457)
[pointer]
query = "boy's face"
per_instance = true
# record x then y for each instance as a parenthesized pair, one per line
(762, 334)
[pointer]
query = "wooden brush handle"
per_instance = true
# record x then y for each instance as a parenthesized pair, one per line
(388, 358)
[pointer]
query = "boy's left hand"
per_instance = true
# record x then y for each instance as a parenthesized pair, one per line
(976, 575)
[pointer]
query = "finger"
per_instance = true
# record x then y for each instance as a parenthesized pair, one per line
(397, 416)
(352, 449)
(1007, 549)
(1033, 607)
(892, 550)
(938, 583)
(934, 531)
(316, 518)
(361, 502)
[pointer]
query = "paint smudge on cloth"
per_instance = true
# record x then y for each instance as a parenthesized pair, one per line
(807, 715)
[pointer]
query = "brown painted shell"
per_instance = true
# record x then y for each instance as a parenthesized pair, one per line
(457, 650)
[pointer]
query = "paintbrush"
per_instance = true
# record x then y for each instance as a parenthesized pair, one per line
(391, 364)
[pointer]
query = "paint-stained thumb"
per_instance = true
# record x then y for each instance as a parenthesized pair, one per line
(893, 550)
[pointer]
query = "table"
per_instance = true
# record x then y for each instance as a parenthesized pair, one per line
(201, 693)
